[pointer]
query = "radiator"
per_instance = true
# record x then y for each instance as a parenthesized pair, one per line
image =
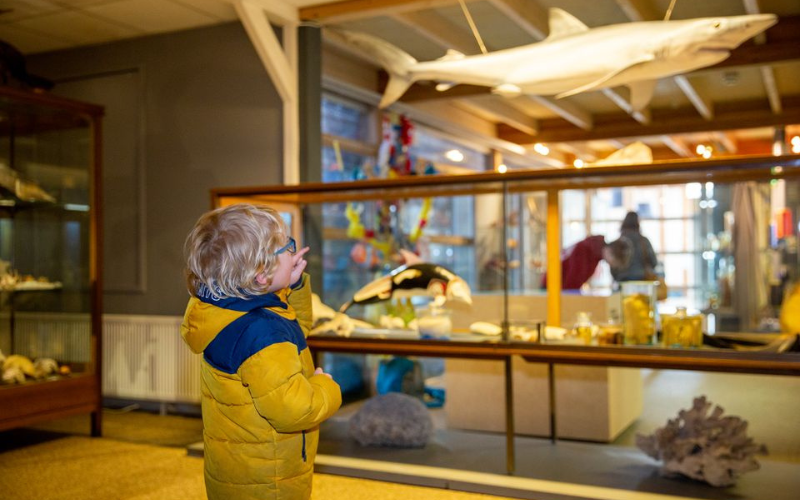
(145, 358)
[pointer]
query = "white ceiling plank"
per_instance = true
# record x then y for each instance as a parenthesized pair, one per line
(725, 140)
(528, 14)
(768, 75)
(567, 110)
(641, 116)
(677, 145)
(702, 103)
(497, 110)
(579, 150)
(439, 31)
(639, 10)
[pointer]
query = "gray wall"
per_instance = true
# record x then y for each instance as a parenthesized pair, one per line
(185, 112)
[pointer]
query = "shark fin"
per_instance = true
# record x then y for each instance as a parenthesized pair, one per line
(562, 24)
(395, 88)
(443, 86)
(395, 61)
(507, 90)
(641, 93)
(602, 81)
(452, 55)
(409, 257)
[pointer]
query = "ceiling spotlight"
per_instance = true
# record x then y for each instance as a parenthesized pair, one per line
(796, 140)
(541, 149)
(502, 168)
(454, 155)
(701, 148)
(578, 163)
(707, 153)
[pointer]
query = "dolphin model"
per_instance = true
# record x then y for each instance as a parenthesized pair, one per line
(573, 58)
(422, 278)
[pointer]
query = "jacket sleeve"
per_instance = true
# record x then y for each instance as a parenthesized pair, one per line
(288, 400)
(300, 300)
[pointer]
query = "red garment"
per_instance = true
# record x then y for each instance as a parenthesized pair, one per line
(579, 262)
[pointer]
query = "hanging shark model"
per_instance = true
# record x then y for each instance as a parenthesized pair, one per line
(574, 58)
(422, 278)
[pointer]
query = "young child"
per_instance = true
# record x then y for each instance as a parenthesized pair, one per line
(249, 314)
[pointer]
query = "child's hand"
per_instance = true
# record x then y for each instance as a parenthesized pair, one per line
(319, 371)
(298, 264)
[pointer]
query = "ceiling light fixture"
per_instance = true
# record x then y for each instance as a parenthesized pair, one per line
(578, 163)
(541, 149)
(454, 155)
(502, 168)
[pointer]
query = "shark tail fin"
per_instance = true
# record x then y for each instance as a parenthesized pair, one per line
(395, 61)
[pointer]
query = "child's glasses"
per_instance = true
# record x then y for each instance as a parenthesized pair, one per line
(291, 247)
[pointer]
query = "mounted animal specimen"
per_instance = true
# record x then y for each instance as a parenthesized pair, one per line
(573, 58)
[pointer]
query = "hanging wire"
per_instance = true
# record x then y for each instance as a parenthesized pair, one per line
(669, 10)
(472, 26)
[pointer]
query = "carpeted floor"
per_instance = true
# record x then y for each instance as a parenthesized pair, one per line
(46, 465)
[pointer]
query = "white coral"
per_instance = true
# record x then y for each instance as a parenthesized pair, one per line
(709, 448)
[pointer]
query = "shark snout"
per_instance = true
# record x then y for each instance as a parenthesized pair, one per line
(743, 27)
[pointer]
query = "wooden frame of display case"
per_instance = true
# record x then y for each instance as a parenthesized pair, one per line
(80, 393)
(724, 170)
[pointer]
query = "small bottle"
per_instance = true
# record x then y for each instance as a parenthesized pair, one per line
(583, 327)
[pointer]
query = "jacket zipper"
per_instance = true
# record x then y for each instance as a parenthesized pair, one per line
(304, 446)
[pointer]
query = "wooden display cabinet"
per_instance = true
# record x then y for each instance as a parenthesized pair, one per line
(50, 298)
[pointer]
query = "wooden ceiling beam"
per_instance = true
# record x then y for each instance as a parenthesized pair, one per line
(728, 116)
(677, 145)
(499, 111)
(639, 10)
(352, 10)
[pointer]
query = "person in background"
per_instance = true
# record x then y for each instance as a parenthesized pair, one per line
(579, 262)
(249, 315)
(643, 261)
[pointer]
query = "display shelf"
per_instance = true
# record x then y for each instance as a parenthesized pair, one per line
(50, 304)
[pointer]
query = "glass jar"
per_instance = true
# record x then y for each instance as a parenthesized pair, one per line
(434, 322)
(639, 312)
(682, 329)
(583, 327)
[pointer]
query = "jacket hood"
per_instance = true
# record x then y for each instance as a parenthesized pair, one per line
(206, 314)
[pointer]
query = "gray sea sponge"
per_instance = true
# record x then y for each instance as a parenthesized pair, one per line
(392, 420)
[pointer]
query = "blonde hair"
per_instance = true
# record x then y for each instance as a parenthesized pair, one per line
(230, 246)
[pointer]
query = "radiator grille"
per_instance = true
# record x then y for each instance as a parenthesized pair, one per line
(144, 357)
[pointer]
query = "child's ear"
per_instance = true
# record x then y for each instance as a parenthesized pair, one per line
(261, 279)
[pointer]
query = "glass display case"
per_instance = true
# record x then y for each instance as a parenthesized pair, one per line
(505, 235)
(50, 327)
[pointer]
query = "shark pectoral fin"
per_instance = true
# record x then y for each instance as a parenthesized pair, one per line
(444, 86)
(563, 24)
(602, 81)
(507, 90)
(395, 89)
(641, 93)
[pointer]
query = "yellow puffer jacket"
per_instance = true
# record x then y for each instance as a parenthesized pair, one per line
(261, 402)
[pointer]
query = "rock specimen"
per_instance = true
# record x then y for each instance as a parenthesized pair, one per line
(394, 420)
(709, 448)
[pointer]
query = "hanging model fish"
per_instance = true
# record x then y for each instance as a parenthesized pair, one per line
(573, 58)
(421, 278)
